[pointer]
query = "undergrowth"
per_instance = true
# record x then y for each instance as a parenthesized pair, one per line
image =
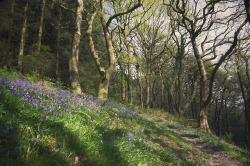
(41, 124)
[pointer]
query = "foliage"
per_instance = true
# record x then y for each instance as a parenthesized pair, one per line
(39, 64)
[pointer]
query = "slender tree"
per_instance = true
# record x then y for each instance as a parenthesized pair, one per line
(41, 27)
(58, 42)
(22, 42)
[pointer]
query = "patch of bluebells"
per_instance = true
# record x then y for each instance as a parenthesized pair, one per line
(48, 102)
(56, 101)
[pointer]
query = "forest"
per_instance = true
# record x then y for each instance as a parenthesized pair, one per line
(187, 58)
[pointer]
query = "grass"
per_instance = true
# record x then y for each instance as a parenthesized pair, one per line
(41, 124)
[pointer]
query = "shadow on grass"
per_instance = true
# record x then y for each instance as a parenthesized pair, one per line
(14, 150)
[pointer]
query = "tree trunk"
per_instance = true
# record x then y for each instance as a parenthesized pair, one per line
(103, 88)
(73, 62)
(123, 84)
(176, 96)
(215, 114)
(58, 43)
(227, 117)
(203, 106)
(162, 90)
(148, 83)
(129, 76)
(41, 28)
(125, 91)
(244, 86)
(141, 93)
(194, 110)
(246, 132)
(192, 97)
(131, 93)
(139, 84)
(219, 120)
(121, 87)
(22, 43)
(9, 55)
(203, 121)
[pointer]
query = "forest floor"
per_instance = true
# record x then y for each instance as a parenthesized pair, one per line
(212, 154)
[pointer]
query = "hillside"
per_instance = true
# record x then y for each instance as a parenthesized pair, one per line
(42, 124)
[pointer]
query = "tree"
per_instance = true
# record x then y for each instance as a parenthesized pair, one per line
(22, 42)
(200, 19)
(105, 73)
(242, 62)
(150, 38)
(73, 61)
(41, 27)
(58, 42)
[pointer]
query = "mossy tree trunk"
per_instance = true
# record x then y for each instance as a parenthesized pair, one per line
(73, 61)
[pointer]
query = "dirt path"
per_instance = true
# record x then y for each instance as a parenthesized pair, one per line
(218, 156)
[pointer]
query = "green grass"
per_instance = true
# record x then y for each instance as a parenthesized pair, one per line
(41, 124)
